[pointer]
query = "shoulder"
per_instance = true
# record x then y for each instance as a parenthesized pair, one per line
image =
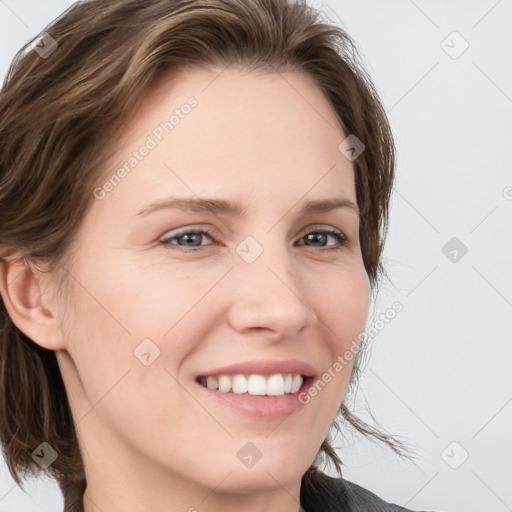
(363, 499)
(324, 493)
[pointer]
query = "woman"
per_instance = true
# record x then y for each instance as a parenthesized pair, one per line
(193, 205)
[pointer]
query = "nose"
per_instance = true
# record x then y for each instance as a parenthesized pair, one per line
(268, 297)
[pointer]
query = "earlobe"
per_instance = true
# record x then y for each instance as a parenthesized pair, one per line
(21, 292)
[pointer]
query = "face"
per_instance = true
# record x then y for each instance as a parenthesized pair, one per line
(164, 296)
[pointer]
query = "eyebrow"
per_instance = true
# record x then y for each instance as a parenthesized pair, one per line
(221, 206)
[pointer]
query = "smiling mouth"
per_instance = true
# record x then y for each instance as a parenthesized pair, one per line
(256, 385)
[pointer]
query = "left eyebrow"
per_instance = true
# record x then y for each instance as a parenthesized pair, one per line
(204, 205)
(327, 205)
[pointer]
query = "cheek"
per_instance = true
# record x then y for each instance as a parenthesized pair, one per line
(106, 326)
(136, 299)
(342, 304)
(341, 299)
(124, 310)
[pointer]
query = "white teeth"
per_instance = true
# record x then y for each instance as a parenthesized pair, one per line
(296, 383)
(275, 385)
(212, 382)
(288, 383)
(239, 384)
(224, 383)
(257, 385)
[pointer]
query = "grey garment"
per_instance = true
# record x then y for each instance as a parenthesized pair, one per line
(323, 493)
(355, 498)
(319, 493)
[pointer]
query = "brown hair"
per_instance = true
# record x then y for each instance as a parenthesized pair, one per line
(59, 117)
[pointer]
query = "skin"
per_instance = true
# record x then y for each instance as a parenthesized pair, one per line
(149, 438)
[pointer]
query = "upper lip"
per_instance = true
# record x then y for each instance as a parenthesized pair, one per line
(264, 367)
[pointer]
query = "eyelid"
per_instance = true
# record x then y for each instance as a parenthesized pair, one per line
(313, 227)
(210, 230)
(340, 235)
(170, 235)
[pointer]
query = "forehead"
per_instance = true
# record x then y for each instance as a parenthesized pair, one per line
(232, 130)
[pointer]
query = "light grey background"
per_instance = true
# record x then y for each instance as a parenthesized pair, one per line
(439, 373)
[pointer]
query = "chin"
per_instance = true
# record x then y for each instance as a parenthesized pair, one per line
(277, 470)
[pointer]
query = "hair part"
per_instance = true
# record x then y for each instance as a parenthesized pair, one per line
(60, 118)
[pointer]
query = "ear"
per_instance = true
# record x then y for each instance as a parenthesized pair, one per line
(30, 309)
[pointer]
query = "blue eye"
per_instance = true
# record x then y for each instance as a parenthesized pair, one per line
(193, 239)
(188, 236)
(324, 233)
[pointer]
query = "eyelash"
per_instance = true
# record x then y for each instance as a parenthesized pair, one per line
(338, 235)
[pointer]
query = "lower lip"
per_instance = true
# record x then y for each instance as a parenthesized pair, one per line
(258, 406)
